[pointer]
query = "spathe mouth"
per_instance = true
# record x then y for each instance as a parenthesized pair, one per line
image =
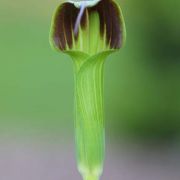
(89, 3)
(111, 25)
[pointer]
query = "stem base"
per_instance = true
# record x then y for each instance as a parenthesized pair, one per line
(90, 177)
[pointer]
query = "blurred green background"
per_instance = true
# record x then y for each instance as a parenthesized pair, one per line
(142, 81)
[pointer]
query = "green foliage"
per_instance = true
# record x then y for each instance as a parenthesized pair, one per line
(142, 89)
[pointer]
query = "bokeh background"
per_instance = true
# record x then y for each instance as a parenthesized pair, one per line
(142, 95)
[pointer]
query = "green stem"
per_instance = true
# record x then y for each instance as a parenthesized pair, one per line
(89, 124)
(91, 177)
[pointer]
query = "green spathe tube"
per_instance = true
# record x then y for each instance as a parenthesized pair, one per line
(101, 31)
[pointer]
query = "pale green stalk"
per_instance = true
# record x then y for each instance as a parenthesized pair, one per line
(89, 123)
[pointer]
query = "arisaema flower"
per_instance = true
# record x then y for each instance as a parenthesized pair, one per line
(88, 31)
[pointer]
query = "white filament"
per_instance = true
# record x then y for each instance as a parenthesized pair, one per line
(79, 17)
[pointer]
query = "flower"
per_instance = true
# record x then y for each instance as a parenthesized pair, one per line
(88, 32)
